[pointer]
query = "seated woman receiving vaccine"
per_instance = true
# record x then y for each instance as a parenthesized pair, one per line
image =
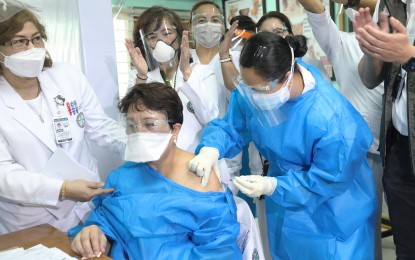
(158, 209)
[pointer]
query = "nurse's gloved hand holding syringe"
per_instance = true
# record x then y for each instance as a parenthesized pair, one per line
(203, 163)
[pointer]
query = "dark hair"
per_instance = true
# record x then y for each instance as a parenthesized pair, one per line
(155, 15)
(244, 22)
(270, 55)
(200, 3)
(154, 96)
(10, 27)
(280, 16)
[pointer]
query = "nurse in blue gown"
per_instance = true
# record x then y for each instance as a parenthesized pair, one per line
(320, 195)
(158, 209)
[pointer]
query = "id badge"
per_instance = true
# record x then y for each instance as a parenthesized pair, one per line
(62, 130)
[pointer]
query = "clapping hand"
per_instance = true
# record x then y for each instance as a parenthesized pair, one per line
(137, 58)
(225, 45)
(185, 56)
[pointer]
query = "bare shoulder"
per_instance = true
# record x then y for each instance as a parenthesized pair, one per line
(194, 181)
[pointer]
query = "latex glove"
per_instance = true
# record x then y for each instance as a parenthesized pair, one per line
(203, 163)
(255, 185)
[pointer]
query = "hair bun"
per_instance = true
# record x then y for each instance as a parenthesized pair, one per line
(298, 43)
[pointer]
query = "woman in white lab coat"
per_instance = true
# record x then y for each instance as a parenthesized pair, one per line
(46, 113)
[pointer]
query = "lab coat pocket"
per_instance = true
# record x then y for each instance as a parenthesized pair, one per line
(300, 244)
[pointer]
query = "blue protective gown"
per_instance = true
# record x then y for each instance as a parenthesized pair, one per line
(325, 202)
(151, 217)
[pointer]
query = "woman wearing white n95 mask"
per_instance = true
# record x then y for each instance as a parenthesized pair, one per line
(47, 111)
(160, 53)
(159, 209)
(316, 144)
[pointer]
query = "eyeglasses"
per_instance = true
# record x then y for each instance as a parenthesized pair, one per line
(280, 30)
(166, 34)
(239, 81)
(146, 125)
(37, 41)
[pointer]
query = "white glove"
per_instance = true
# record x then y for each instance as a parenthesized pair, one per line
(203, 163)
(255, 185)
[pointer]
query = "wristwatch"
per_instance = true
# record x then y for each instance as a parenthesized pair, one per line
(351, 3)
(409, 66)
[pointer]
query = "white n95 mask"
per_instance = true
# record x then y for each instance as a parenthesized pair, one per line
(28, 63)
(145, 147)
(207, 34)
(272, 101)
(163, 52)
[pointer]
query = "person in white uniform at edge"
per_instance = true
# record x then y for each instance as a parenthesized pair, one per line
(196, 86)
(35, 96)
(344, 54)
(207, 28)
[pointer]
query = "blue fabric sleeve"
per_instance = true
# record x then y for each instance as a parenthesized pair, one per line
(230, 134)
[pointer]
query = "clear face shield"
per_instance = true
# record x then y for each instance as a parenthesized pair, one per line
(145, 120)
(267, 106)
(148, 135)
(239, 38)
(161, 45)
(207, 28)
(8, 8)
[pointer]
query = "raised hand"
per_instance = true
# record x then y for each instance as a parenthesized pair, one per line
(184, 63)
(137, 58)
(378, 41)
(225, 45)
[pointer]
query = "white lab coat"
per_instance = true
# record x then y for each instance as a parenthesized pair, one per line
(28, 197)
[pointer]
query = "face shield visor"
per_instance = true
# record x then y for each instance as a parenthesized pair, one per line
(159, 45)
(8, 8)
(239, 38)
(147, 136)
(207, 29)
(267, 106)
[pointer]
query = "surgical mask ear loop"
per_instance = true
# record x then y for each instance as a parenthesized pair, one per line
(292, 63)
